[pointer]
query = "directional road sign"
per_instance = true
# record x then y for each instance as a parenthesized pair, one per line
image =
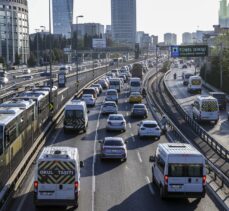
(189, 51)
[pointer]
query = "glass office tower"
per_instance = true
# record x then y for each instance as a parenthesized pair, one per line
(123, 22)
(62, 11)
(14, 30)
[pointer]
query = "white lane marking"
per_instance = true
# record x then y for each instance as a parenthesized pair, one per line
(93, 163)
(127, 113)
(55, 138)
(129, 125)
(139, 157)
(22, 202)
(133, 139)
(149, 185)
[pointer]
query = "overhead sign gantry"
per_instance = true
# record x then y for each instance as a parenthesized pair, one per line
(189, 51)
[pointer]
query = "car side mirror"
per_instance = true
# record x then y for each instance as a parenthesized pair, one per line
(88, 111)
(126, 142)
(100, 141)
(81, 164)
(152, 159)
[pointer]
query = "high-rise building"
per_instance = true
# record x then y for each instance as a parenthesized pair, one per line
(91, 29)
(14, 31)
(62, 11)
(123, 22)
(224, 14)
(187, 38)
(170, 39)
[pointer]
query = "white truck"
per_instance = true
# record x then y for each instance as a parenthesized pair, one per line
(57, 177)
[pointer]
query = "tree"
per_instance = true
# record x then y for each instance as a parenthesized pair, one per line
(32, 60)
(17, 59)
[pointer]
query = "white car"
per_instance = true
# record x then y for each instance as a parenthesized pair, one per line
(96, 89)
(116, 122)
(149, 128)
(89, 99)
(109, 107)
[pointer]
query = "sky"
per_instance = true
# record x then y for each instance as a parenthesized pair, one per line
(153, 16)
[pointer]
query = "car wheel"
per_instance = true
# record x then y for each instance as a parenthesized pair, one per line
(158, 138)
(125, 159)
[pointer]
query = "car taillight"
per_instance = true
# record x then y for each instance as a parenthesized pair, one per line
(76, 185)
(166, 178)
(35, 184)
(204, 180)
(142, 128)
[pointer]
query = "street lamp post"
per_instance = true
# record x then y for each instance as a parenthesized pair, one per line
(43, 29)
(77, 59)
(50, 61)
(221, 68)
(37, 31)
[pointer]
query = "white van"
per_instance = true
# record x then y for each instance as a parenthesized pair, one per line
(75, 116)
(115, 83)
(135, 85)
(194, 84)
(179, 171)
(205, 108)
(57, 177)
(115, 71)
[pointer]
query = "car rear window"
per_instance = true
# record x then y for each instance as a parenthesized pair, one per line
(115, 118)
(109, 104)
(185, 170)
(219, 96)
(113, 143)
(111, 93)
(139, 106)
(149, 125)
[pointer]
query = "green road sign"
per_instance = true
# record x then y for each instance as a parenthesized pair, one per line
(51, 106)
(189, 51)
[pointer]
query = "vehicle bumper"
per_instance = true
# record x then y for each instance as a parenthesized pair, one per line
(113, 156)
(149, 134)
(109, 112)
(138, 114)
(56, 202)
(72, 128)
(116, 127)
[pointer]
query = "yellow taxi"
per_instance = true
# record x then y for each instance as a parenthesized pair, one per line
(135, 97)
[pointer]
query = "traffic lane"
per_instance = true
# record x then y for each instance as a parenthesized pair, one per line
(114, 180)
(84, 142)
(220, 131)
(130, 187)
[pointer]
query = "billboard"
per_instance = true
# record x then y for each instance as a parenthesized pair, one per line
(99, 43)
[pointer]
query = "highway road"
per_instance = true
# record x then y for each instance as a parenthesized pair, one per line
(112, 185)
(220, 131)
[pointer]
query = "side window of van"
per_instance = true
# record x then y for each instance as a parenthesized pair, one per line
(197, 105)
(160, 163)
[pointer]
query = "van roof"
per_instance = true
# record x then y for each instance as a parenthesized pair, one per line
(178, 149)
(217, 93)
(58, 153)
(195, 77)
(205, 97)
(75, 103)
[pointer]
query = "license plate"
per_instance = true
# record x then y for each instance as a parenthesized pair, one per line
(176, 186)
(46, 193)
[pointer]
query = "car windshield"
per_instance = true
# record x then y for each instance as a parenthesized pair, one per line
(74, 114)
(149, 125)
(113, 143)
(135, 83)
(87, 96)
(115, 118)
(114, 82)
(185, 170)
(88, 91)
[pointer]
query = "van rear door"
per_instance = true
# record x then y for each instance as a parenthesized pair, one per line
(185, 177)
(56, 180)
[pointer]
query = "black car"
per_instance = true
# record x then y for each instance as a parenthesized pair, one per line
(221, 98)
(139, 110)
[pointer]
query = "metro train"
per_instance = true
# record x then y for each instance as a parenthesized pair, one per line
(21, 120)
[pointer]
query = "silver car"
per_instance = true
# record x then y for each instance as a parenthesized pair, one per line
(113, 148)
(112, 95)
(109, 107)
(116, 122)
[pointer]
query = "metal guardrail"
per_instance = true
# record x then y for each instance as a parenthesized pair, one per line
(203, 134)
(63, 97)
(214, 171)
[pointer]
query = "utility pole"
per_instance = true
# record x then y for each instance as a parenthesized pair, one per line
(37, 31)
(221, 68)
(156, 67)
(77, 59)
